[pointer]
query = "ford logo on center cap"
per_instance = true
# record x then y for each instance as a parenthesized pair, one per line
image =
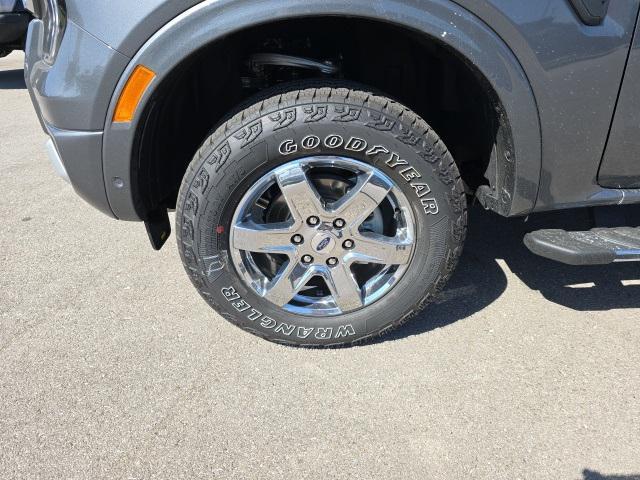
(323, 244)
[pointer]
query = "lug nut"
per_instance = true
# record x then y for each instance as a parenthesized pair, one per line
(313, 221)
(348, 244)
(297, 239)
(339, 223)
(332, 262)
(307, 259)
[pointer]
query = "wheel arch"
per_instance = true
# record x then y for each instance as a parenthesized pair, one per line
(516, 161)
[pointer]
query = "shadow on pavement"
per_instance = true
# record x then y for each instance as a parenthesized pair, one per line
(592, 475)
(12, 80)
(479, 279)
(598, 287)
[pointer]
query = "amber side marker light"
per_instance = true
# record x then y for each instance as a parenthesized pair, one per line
(130, 97)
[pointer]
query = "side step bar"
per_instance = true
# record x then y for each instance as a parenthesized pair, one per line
(599, 246)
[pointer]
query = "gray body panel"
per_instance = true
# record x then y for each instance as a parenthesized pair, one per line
(81, 153)
(125, 25)
(621, 163)
(76, 97)
(575, 73)
(165, 50)
(557, 78)
(79, 149)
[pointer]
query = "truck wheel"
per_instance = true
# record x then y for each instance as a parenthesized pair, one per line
(321, 217)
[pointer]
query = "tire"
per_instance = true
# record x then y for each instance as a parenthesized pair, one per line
(336, 137)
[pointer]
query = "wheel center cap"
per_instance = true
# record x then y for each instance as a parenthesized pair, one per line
(323, 243)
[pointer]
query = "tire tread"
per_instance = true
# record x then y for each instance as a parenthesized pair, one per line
(446, 168)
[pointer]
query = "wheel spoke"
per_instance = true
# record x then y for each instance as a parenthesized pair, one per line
(284, 286)
(263, 238)
(375, 248)
(301, 196)
(360, 202)
(344, 288)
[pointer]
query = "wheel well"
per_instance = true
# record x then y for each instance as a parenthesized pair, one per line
(418, 71)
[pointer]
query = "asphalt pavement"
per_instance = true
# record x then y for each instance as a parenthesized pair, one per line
(112, 366)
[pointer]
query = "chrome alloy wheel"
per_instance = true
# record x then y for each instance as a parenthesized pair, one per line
(322, 235)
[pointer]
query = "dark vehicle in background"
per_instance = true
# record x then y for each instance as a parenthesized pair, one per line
(14, 21)
(320, 154)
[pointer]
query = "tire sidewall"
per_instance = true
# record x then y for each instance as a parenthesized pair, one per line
(261, 139)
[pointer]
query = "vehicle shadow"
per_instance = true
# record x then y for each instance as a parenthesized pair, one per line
(12, 80)
(593, 475)
(494, 246)
(597, 287)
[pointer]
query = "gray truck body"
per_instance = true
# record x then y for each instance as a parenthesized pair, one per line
(569, 89)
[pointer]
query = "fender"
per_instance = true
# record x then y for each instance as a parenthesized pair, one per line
(518, 156)
(137, 23)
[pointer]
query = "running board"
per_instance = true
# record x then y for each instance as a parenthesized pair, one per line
(599, 246)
